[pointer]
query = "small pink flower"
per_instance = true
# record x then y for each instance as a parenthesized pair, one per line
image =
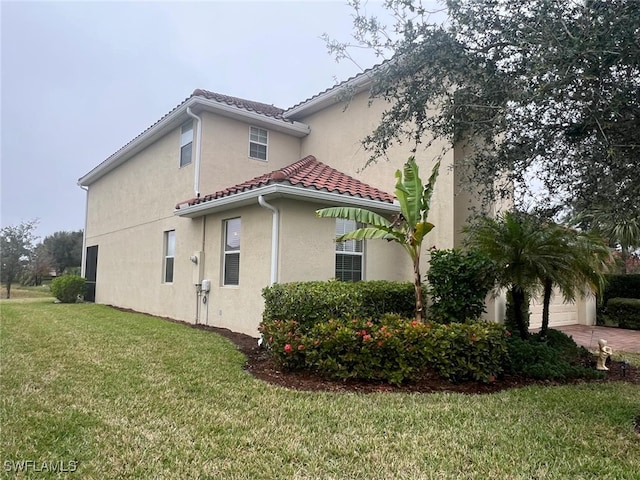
(301, 347)
(508, 333)
(492, 378)
(366, 337)
(287, 348)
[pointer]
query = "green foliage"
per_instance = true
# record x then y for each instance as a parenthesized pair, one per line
(389, 348)
(622, 286)
(548, 360)
(16, 247)
(625, 312)
(67, 288)
(617, 286)
(520, 85)
(64, 249)
(469, 351)
(408, 228)
(458, 284)
(311, 302)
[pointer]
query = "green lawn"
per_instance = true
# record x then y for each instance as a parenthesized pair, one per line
(130, 396)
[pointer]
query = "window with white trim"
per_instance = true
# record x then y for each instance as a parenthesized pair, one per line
(349, 254)
(258, 141)
(186, 143)
(169, 255)
(231, 252)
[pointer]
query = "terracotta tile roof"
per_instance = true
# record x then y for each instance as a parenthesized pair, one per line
(262, 108)
(307, 173)
(369, 72)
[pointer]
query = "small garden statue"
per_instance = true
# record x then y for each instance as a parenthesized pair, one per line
(604, 352)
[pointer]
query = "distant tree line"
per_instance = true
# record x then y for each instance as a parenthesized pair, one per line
(27, 262)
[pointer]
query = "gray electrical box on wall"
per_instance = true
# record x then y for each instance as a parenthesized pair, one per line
(198, 267)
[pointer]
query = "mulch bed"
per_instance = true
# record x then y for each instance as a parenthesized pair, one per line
(262, 366)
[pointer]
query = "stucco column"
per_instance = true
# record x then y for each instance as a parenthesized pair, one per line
(586, 308)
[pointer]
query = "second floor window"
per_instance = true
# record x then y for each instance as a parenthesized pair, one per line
(186, 143)
(258, 141)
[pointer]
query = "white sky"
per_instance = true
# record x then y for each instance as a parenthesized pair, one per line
(81, 79)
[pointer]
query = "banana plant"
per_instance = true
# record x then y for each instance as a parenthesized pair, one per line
(408, 228)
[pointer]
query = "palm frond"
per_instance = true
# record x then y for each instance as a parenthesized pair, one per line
(370, 233)
(352, 213)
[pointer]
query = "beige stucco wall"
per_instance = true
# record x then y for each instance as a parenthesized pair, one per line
(238, 308)
(225, 153)
(335, 139)
(308, 248)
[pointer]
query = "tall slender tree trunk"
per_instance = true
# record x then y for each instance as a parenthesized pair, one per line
(418, 288)
(548, 289)
(518, 303)
(8, 288)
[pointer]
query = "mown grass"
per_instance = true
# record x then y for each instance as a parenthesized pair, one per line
(130, 396)
(20, 291)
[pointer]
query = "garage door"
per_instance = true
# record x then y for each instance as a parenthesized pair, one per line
(560, 313)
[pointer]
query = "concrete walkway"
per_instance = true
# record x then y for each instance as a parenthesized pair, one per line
(619, 339)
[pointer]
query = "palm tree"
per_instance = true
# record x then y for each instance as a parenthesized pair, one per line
(408, 228)
(587, 257)
(523, 253)
(617, 229)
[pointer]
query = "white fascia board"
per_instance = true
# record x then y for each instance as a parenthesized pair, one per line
(176, 118)
(330, 97)
(284, 191)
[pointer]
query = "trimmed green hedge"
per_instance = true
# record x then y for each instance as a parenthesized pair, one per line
(625, 312)
(67, 288)
(391, 348)
(621, 286)
(312, 302)
(618, 286)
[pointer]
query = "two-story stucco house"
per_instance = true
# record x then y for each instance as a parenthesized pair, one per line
(216, 200)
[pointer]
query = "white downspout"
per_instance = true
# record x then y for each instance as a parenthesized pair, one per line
(275, 237)
(84, 231)
(196, 177)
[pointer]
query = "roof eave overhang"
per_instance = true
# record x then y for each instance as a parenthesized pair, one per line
(330, 97)
(249, 197)
(177, 117)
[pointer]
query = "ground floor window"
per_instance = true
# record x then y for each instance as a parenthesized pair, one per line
(349, 254)
(231, 252)
(169, 254)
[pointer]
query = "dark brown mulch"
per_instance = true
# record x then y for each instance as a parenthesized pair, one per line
(261, 365)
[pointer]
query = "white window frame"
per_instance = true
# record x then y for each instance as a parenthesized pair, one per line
(186, 138)
(353, 248)
(169, 250)
(226, 252)
(256, 138)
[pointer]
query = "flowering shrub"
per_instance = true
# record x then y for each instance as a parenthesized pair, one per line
(390, 348)
(286, 342)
